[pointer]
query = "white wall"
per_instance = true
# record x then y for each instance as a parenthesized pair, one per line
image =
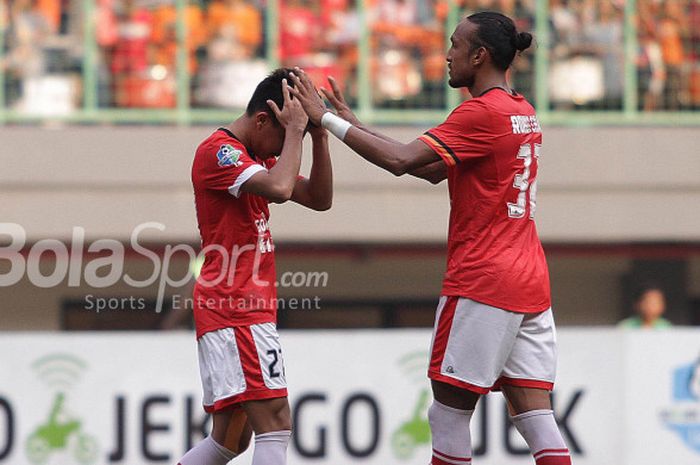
(597, 184)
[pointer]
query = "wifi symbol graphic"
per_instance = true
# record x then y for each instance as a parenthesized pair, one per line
(415, 366)
(59, 371)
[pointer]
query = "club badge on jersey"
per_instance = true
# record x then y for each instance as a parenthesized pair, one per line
(229, 156)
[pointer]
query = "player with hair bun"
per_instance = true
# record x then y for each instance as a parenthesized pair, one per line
(494, 328)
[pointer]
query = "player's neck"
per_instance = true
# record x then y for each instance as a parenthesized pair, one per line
(488, 80)
(241, 129)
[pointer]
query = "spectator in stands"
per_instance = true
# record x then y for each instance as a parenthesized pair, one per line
(26, 58)
(106, 35)
(299, 32)
(341, 23)
(164, 35)
(649, 306)
(134, 28)
(51, 11)
(233, 65)
(694, 53)
(404, 34)
(669, 32)
(237, 22)
(604, 34)
(652, 71)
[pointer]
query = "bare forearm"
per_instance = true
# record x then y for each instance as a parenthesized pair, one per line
(387, 154)
(286, 170)
(369, 130)
(321, 175)
(434, 173)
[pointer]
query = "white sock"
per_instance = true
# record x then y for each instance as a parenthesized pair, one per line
(452, 443)
(540, 431)
(207, 452)
(271, 448)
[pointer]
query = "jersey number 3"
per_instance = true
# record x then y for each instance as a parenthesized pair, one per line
(522, 183)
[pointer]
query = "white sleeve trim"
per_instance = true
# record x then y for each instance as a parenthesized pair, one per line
(235, 189)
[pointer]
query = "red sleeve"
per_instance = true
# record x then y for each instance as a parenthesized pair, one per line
(465, 134)
(226, 166)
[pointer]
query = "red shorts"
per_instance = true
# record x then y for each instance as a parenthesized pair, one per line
(240, 364)
(479, 348)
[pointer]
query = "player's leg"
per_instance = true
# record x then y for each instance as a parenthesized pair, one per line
(266, 404)
(222, 380)
(471, 343)
(528, 379)
(233, 433)
(219, 448)
(449, 417)
(272, 423)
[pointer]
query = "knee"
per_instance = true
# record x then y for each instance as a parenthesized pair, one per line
(269, 416)
(281, 419)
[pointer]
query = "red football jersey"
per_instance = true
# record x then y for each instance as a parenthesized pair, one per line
(491, 145)
(236, 286)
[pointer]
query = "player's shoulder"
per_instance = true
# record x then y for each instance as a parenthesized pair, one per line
(221, 137)
(222, 147)
(471, 113)
(500, 100)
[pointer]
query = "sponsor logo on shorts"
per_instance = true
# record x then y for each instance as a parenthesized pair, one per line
(229, 156)
(683, 417)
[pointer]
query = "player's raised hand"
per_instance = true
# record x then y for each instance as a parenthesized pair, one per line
(292, 115)
(306, 93)
(335, 96)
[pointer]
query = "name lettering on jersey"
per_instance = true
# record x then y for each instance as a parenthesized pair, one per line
(262, 226)
(264, 238)
(525, 124)
(229, 156)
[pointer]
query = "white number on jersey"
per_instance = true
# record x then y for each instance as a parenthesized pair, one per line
(523, 185)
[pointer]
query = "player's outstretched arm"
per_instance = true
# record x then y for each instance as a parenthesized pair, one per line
(393, 156)
(342, 109)
(316, 192)
(277, 184)
(434, 172)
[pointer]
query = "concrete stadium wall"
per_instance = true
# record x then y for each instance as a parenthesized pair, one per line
(596, 185)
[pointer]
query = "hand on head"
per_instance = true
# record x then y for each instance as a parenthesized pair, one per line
(335, 96)
(305, 92)
(292, 114)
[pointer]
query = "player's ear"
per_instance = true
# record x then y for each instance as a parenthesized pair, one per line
(262, 118)
(479, 56)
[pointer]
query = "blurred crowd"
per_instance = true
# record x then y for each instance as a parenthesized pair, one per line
(226, 50)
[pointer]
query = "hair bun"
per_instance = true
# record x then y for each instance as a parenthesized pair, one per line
(523, 41)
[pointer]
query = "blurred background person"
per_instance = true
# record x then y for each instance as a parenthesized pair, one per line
(131, 50)
(649, 307)
(671, 28)
(26, 61)
(233, 63)
(652, 69)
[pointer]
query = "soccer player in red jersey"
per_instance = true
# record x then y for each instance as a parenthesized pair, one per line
(237, 171)
(494, 327)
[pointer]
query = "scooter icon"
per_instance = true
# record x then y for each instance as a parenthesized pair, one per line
(415, 431)
(57, 435)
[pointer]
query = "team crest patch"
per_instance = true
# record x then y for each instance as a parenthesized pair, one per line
(229, 156)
